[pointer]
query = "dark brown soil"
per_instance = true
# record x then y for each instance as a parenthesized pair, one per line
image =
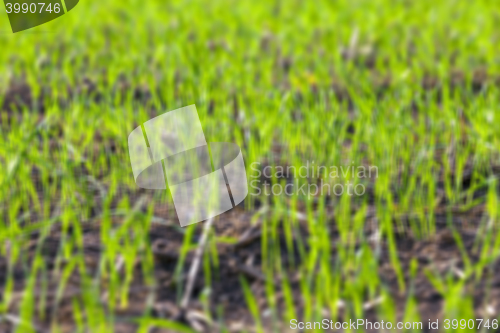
(439, 253)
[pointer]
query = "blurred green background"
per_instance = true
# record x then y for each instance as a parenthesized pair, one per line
(411, 87)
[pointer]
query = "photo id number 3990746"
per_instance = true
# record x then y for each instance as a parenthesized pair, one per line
(32, 8)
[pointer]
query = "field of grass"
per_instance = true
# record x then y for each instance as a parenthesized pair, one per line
(411, 87)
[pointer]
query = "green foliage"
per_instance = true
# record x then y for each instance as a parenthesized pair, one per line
(338, 82)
